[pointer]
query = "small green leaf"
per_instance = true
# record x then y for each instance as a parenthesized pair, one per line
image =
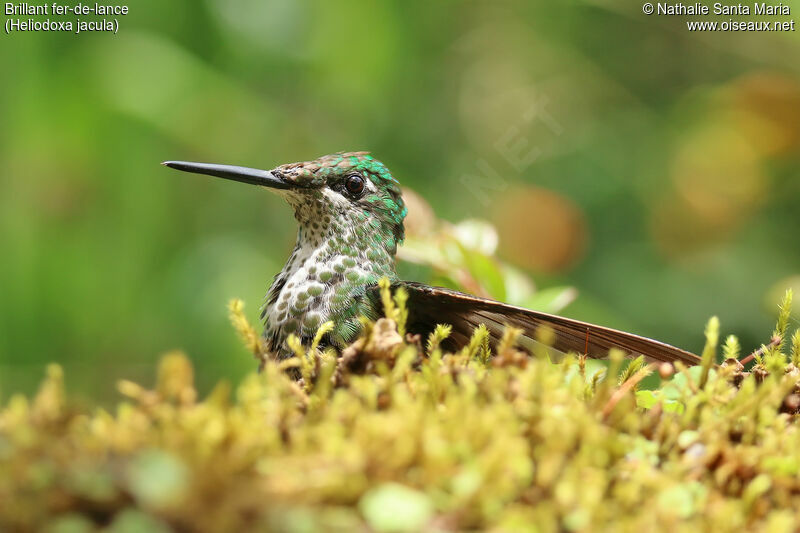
(552, 299)
(683, 500)
(392, 507)
(157, 478)
(477, 235)
(71, 523)
(519, 286)
(134, 521)
(647, 398)
(678, 386)
(673, 406)
(487, 272)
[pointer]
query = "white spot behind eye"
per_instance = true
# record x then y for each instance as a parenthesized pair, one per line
(369, 187)
(336, 198)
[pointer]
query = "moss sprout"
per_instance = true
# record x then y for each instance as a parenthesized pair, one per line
(388, 436)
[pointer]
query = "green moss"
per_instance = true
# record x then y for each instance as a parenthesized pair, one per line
(388, 436)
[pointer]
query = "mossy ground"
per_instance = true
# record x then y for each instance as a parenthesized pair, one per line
(392, 435)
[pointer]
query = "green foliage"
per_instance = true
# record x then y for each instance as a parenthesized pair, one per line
(394, 507)
(710, 348)
(439, 334)
(783, 318)
(732, 349)
(390, 437)
(796, 348)
(394, 305)
(463, 256)
(633, 367)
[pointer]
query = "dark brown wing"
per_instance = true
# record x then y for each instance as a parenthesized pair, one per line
(429, 306)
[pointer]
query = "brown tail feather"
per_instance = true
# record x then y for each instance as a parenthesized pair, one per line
(429, 306)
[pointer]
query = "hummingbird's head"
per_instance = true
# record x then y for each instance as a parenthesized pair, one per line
(342, 193)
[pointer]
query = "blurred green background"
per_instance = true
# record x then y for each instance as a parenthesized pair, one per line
(653, 169)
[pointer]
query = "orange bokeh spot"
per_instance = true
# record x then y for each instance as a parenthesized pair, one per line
(540, 229)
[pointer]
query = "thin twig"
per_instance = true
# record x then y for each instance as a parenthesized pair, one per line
(774, 341)
(626, 387)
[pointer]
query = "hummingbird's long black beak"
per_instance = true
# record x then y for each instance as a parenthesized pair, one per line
(253, 176)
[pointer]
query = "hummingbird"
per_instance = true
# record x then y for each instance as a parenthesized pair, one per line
(350, 212)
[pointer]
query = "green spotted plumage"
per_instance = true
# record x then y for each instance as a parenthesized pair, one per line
(344, 245)
(346, 242)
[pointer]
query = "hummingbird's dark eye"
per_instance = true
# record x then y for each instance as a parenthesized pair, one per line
(354, 184)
